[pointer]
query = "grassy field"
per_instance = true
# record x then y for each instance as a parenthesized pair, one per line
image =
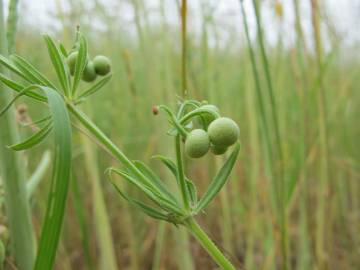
(292, 200)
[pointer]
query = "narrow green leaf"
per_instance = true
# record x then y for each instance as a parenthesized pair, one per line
(33, 140)
(192, 191)
(173, 168)
(96, 87)
(30, 71)
(9, 65)
(152, 212)
(151, 175)
(219, 180)
(63, 50)
(38, 174)
(20, 94)
(154, 196)
(59, 64)
(168, 163)
(81, 61)
(18, 88)
(51, 228)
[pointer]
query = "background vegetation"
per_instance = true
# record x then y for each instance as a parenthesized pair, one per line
(294, 194)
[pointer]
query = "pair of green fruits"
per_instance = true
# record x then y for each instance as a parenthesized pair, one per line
(221, 133)
(100, 65)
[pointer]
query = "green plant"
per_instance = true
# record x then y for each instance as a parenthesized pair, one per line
(197, 143)
(102, 65)
(89, 73)
(223, 132)
(62, 101)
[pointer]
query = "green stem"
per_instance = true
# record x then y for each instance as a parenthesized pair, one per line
(184, 193)
(13, 175)
(208, 244)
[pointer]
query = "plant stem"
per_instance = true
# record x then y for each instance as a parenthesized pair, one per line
(208, 244)
(181, 173)
(13, 175)
(184, 48)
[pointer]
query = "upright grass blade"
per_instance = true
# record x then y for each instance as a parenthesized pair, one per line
(51, 229)
(59, 64)
(13, 172)
(219, 180)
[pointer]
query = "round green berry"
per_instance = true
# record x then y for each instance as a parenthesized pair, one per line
(223, 131)
(218, 149)
(89, 74)
(71, 61)
(197, 143)
(102, 65)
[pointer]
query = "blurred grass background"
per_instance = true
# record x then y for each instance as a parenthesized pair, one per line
(295, 192)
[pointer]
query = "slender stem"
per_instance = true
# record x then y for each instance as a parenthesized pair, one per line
(181, 173)
(208, 244)
(184, 48)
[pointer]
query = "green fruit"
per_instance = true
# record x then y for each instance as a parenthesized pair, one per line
(223, 131)
(89, 74)
(207, 118)
(71, 61)
(102, 65)
(218, 149)
(197, 143)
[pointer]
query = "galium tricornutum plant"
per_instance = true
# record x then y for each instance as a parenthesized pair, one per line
(197, 125)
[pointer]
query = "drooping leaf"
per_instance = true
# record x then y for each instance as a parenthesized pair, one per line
(81, 61)
(50, 232)
(96, 87)
(30, 71)
(33, 140)
(18, 88)
(20, 94)
(59, 64)
(150, 211)
(219, 180)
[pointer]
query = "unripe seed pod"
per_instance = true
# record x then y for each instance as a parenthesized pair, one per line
(223, 131)
(71, 61)
(102, 65)
(89, 74)
(197, 143)
(218, 149)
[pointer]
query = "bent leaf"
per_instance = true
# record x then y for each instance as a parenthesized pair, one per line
(50, 232)
(33, 140)
(18, 88)
(152, 212)
(219, 180)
